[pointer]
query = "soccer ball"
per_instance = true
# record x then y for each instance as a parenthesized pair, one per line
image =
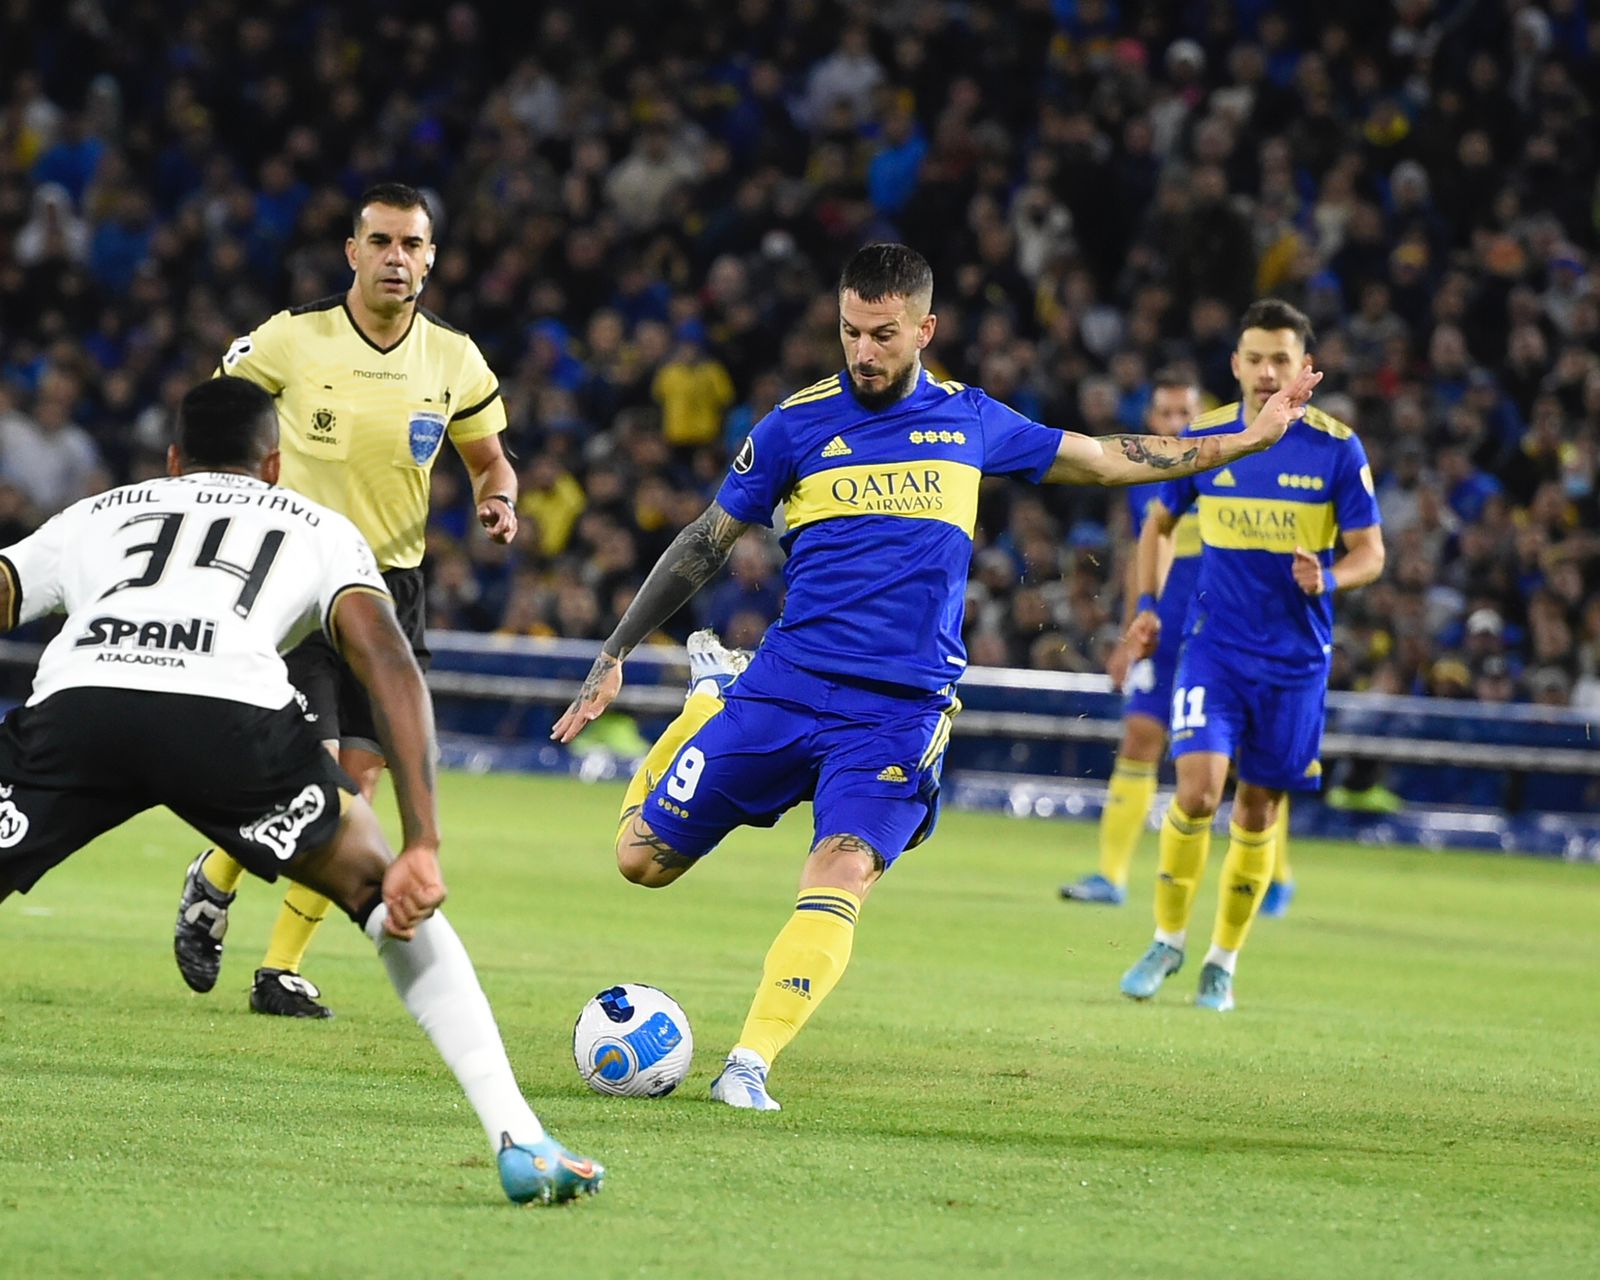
(632, 1041)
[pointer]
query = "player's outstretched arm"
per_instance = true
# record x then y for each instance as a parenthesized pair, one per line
(370, 640)
(1124, 460)
(687, 565)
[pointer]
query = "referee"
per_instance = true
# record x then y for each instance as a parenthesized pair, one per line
(368, 385)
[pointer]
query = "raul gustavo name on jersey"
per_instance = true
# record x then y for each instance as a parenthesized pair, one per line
(267, 499)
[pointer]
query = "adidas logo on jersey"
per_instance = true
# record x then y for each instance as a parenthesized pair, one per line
(797, 986)
(1225, 479)
(894, 773)
(835, 448)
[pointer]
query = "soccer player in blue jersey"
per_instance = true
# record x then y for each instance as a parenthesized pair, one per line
(1280, 533)
(848, 701)
(1147, 681)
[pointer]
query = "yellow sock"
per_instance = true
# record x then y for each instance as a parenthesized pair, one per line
(1128, 796)
(221, 870)
(298, 918)
(805, 962)
(1281, 872)
(1245, 874)
(1185, 842)
(696, 711)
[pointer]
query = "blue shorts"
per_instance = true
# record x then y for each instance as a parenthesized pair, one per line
(1274, 731)
(1149, 684)
(866, 756)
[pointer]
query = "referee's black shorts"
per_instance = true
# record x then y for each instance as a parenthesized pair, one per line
(336, 702)
(254, 781)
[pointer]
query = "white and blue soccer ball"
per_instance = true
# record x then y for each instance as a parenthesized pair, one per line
(633, 1041)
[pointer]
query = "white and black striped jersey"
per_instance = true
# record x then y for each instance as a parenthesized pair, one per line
(190, 584)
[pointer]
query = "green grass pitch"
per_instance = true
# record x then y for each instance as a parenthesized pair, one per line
(1410, 1086)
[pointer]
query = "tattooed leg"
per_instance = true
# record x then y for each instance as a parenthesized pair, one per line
(843, 862)
(645, 858)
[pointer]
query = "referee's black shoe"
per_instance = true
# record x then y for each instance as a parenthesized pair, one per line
(286, 995)
(202, 922)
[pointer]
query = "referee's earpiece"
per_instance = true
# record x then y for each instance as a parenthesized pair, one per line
(422, 282)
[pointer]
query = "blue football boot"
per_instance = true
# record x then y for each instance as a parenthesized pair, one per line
(545, 1172)
(1154, 967)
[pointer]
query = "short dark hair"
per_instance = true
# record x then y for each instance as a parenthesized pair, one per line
(226, 422)
(1174, 378)
(882, 271)
(396, 195)
(1275, 313)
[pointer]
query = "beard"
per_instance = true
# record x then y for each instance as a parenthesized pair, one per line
(889, 393)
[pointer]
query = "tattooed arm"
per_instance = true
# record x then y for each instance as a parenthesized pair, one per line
(1124, 459)
(687, 565)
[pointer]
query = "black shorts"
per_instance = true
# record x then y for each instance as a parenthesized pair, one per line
(256, 783)
(336, 701)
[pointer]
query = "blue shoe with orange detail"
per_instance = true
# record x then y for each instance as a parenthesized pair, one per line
(545, 1172)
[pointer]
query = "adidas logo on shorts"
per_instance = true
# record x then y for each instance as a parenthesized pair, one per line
(894, 773)
(835, 448)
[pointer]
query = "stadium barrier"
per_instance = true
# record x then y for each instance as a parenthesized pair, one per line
(1513, 778)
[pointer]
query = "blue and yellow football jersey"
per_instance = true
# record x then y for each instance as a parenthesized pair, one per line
(1253, 513)
(878, 510)
(1185, 571)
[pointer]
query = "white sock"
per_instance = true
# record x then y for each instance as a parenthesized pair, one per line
(1172, 939)
(434, 978)
(1223, 957)
(708, 686)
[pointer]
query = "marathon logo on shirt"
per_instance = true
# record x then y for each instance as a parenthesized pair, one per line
(150, 643)
(929, 490)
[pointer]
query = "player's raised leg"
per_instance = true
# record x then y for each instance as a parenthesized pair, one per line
(1128, 795)
(712, 669)
(434, 978)
(1185, 845)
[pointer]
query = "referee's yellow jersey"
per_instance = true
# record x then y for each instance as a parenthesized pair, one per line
(361, 426)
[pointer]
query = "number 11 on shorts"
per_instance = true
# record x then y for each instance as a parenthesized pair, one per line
(1192, 716)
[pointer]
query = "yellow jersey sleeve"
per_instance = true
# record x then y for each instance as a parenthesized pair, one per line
(263, 355)
(483, 410)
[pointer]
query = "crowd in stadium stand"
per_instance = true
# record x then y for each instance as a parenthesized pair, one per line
(643, 206)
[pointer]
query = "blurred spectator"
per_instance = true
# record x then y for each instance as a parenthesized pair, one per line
(692, 389)
(643, 208)
(752, 586)
(46, 455)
